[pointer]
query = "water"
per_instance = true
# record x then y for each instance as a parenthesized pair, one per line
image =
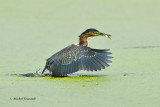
(31, 31)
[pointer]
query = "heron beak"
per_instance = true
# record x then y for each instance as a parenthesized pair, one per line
(106, 35)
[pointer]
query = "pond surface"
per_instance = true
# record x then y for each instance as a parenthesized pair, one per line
(31, 31)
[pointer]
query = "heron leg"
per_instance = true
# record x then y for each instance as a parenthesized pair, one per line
(44, 69)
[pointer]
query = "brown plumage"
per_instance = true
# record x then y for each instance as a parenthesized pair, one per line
(83, 39)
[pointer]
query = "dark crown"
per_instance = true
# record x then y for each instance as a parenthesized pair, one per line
(90, 30)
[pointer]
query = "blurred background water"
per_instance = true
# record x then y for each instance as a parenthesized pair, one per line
(33, 30)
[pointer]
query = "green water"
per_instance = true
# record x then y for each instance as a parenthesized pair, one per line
(32, 30)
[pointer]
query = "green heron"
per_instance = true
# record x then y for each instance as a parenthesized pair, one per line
(78, 57)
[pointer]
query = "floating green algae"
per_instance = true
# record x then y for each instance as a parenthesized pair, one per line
(31, 31)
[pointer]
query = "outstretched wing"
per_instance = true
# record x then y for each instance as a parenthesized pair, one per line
(74, 58)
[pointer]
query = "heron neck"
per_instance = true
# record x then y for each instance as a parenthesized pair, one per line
(83, 40)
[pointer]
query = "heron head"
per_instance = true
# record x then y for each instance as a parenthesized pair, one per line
(94, 32)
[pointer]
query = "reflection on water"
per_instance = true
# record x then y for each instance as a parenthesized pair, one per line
(47, 73)
(22, 75)
(69, 75)
(144, 47)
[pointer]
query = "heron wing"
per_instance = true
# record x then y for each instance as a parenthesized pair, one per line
(74, 58)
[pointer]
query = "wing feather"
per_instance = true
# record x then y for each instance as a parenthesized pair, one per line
(97, 64)
(74, 58)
